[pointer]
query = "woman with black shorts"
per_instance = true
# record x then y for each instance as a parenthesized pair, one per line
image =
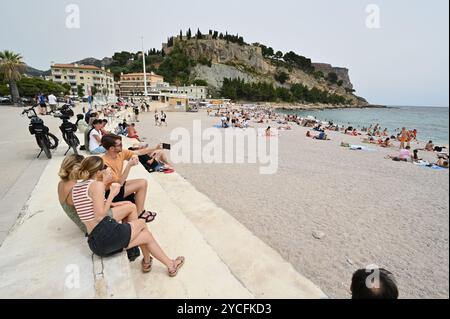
(105, 235)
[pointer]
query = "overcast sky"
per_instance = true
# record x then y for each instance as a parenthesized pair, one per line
(403, 62)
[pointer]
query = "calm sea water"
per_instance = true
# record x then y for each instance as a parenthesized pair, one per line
(432, 123)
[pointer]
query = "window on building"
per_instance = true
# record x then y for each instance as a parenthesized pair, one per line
(58, 77)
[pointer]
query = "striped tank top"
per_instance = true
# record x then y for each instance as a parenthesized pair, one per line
(82, 202)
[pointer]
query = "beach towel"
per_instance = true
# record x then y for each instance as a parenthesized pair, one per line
(361, 148)
(438, 168)
(422, 163)
(428, 165)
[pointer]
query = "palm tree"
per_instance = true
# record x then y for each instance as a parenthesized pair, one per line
(10, 65)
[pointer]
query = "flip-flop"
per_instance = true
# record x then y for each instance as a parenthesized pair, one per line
(169, 171)
(177, 268)
(151, 217)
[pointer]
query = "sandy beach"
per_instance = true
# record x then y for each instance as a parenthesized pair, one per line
(368, 209)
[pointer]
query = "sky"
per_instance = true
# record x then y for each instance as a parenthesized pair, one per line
(397, 51)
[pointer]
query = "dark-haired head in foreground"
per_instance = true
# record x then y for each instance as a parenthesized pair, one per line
(365, 284)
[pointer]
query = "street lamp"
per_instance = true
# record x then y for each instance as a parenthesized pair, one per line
(145, 71)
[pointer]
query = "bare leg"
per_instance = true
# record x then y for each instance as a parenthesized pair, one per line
(132, 217)
(138, 186)
(161, 157)
(141, 236)
(125, 213)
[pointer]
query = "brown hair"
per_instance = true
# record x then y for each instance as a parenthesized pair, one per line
(109, 140)
(89, 167)
(70, 166)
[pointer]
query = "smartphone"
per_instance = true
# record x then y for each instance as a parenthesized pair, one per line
(166, 146)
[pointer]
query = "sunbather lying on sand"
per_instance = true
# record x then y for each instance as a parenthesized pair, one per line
(285, 127)
(403, 156)
(386, 143)
(322, 136)
(442, 163)
(370, 140)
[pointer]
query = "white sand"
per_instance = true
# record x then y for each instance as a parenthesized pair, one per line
(371, 210)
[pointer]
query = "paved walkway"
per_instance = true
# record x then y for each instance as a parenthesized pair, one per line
(20, 168)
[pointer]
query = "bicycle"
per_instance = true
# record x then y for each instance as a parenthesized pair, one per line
(68, 129)
(45, 140)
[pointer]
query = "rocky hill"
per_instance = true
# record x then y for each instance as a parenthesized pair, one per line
(221, 59)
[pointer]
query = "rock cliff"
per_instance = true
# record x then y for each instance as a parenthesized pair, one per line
(221, 59)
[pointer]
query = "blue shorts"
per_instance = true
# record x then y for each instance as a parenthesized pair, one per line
(99, 150)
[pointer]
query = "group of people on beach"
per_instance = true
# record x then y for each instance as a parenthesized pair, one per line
(108, 207)
(240, 117)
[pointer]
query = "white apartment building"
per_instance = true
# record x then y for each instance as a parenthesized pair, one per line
(88, 76)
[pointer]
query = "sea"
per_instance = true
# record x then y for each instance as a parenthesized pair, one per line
(432, 123)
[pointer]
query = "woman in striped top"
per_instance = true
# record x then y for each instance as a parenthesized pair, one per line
(105, 235)
(68, 174)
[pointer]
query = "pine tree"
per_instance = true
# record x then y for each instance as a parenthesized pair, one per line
(189, 34)
(181, 34)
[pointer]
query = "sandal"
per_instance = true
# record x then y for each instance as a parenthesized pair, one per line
(149, 218)
(147, 267)
(174, 272)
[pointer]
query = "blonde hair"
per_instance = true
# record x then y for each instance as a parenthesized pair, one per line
(69, 167)
(89, 167)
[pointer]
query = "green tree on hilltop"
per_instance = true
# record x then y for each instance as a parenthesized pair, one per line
(199, 35)
(176, 66)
